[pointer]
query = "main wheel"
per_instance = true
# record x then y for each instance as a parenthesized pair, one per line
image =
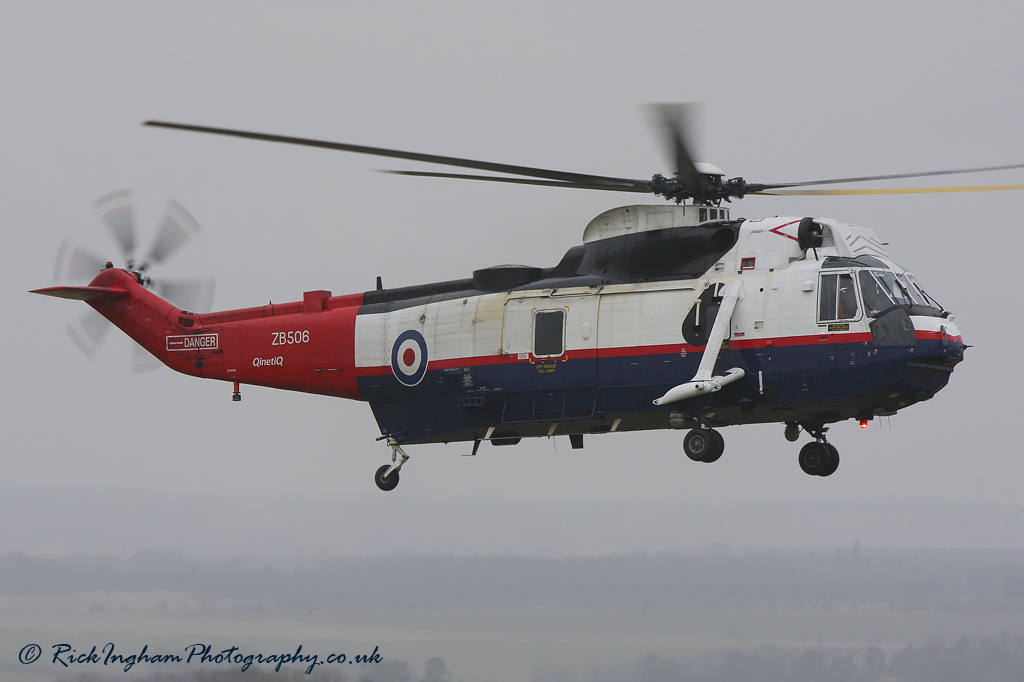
(698, 443)
(717, 447)
(815, 458)
(388, 483)
(833, 462)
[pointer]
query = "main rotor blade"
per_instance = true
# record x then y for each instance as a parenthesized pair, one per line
(177, 228)
(411, 156)
(677, 120)
(524, 181)
(898, 190)
(897, 176)
(116, 211)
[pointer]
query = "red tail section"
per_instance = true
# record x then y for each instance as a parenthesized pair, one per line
(306, 346)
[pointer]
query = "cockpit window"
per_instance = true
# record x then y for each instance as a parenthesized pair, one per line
(875, 298)
(892, 287)
(838, 298)
(882, 290)
(911, 290)
(924, 294)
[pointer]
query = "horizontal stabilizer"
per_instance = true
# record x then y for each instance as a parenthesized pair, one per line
(83, 293)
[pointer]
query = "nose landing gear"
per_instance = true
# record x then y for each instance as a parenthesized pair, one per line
(703, 445)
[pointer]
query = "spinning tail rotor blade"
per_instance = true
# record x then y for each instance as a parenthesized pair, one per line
(76, 264)
(116, 211)
(194, 295)
(143, 360)
(177, 227)
(88, 332)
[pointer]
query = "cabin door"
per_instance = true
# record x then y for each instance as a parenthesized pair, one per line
(551, 342)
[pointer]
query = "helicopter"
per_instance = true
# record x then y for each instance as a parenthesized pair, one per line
(672, 316)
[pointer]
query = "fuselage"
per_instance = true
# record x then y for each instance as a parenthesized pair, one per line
(822, 334)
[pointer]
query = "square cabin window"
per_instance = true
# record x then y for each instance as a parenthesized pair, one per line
(549, 333)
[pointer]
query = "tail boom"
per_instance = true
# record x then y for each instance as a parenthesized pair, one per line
(306, 346)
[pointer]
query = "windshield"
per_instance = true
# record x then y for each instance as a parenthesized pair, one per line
(881, 289)
(928, 300)
(911, 290)
(875, 297)
(892, 286)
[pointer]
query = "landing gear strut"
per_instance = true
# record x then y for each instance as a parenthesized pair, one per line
(819, 458)
(703, 445)
(386, 476)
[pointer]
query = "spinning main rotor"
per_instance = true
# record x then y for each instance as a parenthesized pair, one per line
(692, 181)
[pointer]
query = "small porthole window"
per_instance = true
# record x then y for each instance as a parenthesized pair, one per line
(548, 333)
(747, 263)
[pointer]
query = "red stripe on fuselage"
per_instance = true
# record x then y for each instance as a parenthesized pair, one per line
(937, 336)
(632, 351)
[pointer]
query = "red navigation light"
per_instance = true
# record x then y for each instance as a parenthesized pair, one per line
(863, 423)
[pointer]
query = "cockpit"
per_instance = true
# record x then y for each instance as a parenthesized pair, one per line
(881, 288)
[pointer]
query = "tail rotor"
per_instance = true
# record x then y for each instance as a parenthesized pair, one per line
(76, 264)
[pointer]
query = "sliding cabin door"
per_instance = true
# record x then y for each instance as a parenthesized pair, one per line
(550, 346)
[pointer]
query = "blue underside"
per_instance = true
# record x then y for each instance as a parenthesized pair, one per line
(813, 383)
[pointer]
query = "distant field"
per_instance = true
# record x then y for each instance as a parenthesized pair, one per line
(516, 618)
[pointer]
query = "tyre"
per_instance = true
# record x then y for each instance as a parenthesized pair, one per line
(814, 458)
(697, 443)
(388, 483)
(833, 462)
(717, 447)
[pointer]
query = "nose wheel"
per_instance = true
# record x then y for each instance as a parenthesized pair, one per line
(703, 445)
(386, 477)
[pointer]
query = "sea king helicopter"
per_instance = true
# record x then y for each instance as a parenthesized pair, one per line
(673, 316)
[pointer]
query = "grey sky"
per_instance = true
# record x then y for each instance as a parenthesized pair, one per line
(794, 91)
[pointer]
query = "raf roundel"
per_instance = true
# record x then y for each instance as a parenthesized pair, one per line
(409, 358)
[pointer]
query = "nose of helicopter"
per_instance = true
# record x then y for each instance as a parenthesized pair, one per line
(938, 350)
(939, 337)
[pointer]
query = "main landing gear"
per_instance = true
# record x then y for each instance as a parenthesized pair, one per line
(703, 445)
(386, 477)
(818, 458)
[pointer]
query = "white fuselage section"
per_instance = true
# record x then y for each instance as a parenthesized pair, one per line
(779, 302)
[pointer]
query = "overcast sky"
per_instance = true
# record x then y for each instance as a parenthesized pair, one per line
(793, 91)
